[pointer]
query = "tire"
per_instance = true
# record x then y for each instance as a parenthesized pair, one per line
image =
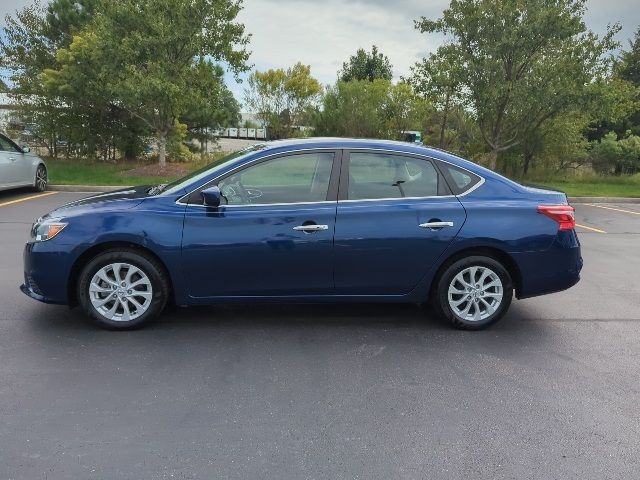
(116, 306)
(41, 179)
(454, 293)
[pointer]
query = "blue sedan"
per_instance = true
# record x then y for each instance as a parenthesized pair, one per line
(317, 220)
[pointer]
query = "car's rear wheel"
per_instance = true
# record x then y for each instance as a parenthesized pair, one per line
(122, 289)
(473, 292)
(40, 181)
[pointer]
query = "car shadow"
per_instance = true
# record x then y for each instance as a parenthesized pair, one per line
(336, 318)
(14, 194)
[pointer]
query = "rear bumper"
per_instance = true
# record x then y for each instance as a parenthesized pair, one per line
(552, 270)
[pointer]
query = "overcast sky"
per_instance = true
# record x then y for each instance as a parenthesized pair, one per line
(325, 33)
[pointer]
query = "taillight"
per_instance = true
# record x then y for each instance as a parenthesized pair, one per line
(563, 214)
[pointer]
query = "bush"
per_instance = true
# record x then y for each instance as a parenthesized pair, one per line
(619, 157)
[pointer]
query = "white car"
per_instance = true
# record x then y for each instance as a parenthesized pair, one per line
(20, 168)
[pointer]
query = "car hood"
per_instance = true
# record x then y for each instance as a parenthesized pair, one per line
(121, 199)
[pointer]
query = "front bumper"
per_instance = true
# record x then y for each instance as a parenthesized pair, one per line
(29, 292)
(47, 267)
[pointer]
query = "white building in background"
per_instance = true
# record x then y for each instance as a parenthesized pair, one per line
(10, 118)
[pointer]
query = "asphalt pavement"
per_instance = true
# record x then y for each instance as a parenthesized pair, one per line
(328, 391)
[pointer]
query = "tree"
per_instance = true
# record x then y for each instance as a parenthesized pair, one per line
(628, 65)
(82, 116)
(369, 109)
(438, 79)
(367, 66)
(214, 110)
(520, 62)
(627, 69)
(3, 86)
(280, 97)
(148, 56)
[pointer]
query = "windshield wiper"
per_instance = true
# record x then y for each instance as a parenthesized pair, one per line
(157, 189)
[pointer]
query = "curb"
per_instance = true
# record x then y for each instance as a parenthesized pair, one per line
(86, 188)
(603, 200)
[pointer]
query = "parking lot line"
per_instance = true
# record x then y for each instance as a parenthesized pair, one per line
(612, 208)
(597, 230)
(24, 199)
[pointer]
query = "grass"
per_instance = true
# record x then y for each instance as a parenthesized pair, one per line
(85, 172)
(594, 186)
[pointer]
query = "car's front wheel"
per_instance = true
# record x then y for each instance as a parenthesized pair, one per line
(473, 292)
(122, 289)
(41, 179)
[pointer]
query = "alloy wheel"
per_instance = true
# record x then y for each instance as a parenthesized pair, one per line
(120, 292)
(475, 293)
(41, 178)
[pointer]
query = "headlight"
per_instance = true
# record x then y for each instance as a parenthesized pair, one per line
(41, 232)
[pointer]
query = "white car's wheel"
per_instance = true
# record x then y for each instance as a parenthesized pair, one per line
(41, 179)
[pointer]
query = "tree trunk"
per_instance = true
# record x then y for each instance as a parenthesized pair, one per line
(528, 156)
(162, 148)
(493, 159)
(443, 124)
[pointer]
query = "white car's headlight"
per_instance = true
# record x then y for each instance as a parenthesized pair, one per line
(41, 232)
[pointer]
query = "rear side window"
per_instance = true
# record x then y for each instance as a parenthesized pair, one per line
(459, 179)
(380, 175)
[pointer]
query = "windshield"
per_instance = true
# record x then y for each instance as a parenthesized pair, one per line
(182, 183)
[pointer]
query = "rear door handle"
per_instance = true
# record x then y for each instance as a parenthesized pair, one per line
(310, 228)
(436, 224)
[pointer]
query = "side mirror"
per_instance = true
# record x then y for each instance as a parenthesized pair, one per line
(211, 196)
(26, 149)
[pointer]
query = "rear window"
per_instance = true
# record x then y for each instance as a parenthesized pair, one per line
(459, 179)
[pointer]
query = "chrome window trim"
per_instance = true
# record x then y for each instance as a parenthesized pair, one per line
(325, 202)
(392, 199)
(335, 149)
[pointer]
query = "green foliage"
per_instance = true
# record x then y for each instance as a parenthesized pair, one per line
(438, 79)
(519, 63)
(118, 71)
(369, 109)
(628, 65)
(281, 98)
(367, 66)
(611, 155)
(75, 110)
(205, 112)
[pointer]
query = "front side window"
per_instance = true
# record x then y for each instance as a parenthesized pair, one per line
(381, 175)
(6, 145)
(291, 179)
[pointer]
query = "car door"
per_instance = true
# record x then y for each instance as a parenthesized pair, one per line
(273, 234)
(10, 164)
(395, 217)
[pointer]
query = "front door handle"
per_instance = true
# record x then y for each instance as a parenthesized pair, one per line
(310, 228)
(436, 224)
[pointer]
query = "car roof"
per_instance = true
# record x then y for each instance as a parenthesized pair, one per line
(365, 143)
